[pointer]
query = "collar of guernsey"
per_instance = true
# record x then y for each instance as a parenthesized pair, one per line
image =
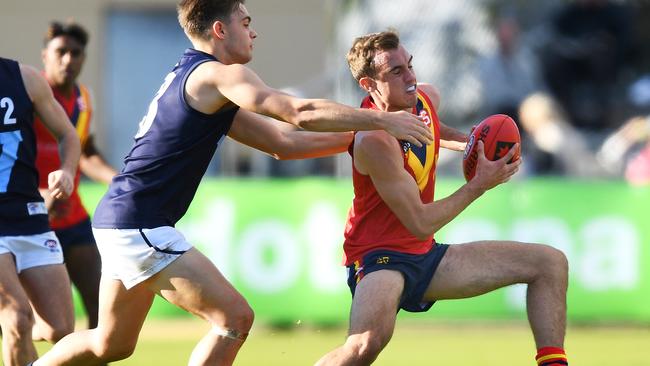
(420, 162)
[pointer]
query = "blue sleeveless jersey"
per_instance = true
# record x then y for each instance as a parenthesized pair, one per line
(172, 150)
(22, 211)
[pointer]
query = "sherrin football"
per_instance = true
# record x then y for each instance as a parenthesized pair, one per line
(499, 133)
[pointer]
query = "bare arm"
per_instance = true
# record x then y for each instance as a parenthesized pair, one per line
(60, 181)
(450, 138)
(379, 156)
(283, 141)
(239, 84)
(93, 165)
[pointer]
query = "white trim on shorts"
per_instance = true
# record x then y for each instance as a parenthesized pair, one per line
(135, 255)
(32, 250)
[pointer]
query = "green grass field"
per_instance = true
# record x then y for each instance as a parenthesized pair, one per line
(169, 343)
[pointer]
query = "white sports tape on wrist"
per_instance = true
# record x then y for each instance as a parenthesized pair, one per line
(229, 333)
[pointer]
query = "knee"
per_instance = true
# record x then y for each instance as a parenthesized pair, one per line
(18, 322)
(241, 318)
(365, 347)
(553, 263)
(109, 349)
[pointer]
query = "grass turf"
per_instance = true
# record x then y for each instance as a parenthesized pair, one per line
(169, 343)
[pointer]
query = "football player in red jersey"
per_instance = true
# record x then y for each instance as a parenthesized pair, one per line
(392, 258)
(63, 57)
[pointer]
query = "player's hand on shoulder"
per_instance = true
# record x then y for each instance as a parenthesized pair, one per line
(60, 183)
(489, 173)
(408, 127)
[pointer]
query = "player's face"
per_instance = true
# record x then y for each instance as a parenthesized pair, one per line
(63, 58)
(395, 81)
(241, 35)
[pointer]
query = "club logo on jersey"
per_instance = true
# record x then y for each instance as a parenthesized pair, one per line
(52, 245)
(425, 116)
(383, 260)
(36, 208)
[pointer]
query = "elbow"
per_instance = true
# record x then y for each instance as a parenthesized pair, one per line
(420, 231)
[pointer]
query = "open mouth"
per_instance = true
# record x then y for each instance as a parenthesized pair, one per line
(411, 89)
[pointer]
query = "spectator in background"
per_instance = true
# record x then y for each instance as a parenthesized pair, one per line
(627, 151)
(591, 43)
(63, 56)
(511, 84)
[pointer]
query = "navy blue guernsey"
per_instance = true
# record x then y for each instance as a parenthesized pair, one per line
(21, 206)
(172, 150)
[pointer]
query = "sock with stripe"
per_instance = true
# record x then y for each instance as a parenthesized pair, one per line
(551, 356)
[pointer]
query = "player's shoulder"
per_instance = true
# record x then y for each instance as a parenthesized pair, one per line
(34, 81)
(431, 92)
(374, 143)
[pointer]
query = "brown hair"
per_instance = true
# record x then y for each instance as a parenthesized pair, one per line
(68, 29)
(196, 16)
(362, 54)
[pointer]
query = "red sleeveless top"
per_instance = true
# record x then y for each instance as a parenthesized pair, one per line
(371, 224)
(78, 108)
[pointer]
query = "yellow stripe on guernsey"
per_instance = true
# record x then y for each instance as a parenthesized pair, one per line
(83, 120)
(548, 357)
(422, 170)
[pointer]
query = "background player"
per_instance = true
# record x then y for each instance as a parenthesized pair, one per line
(63, 57)
(208, 94)
(393, 261)
(31, 262)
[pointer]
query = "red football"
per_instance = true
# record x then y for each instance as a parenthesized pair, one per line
(498, 133)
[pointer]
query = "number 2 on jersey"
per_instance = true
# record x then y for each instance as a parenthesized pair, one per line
(9, 142)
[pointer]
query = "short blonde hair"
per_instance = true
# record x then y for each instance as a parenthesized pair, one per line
(364, 49)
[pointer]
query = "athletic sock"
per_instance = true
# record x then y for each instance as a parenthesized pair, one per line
(551, 356)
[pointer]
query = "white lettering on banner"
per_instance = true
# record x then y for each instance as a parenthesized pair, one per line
(323, 233)
(603, 252)
(610, 258)
(277, 275)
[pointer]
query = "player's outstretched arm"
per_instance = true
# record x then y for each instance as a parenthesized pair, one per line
(93, 164)
(243, 87)
(284, 141)
(54, 118)
(377, 155)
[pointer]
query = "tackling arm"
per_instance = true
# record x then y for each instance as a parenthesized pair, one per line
(243, 87)
(283, 141)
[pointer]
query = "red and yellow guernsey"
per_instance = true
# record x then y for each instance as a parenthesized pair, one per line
(78, 108)
(371, 224)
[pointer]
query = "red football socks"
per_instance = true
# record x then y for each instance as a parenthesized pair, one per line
(551, 356)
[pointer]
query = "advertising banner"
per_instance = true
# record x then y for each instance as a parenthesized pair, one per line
(279, 242)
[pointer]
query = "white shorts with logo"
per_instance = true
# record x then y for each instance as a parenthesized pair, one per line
(32, 250)
(134, 255)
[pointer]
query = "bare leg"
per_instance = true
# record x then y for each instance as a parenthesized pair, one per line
(84, 266)
(16, 317)
(372, 319)
(48, 289)
(121, 315)
(193, 283)
(473, 269)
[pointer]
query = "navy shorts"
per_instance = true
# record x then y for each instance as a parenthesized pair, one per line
(417, 269)
(79, 234)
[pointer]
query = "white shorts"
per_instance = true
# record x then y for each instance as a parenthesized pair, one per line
(32, 250)
(134, 255)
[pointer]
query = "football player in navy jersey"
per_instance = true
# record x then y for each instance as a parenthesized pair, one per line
(209, 94)
(32, 274)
